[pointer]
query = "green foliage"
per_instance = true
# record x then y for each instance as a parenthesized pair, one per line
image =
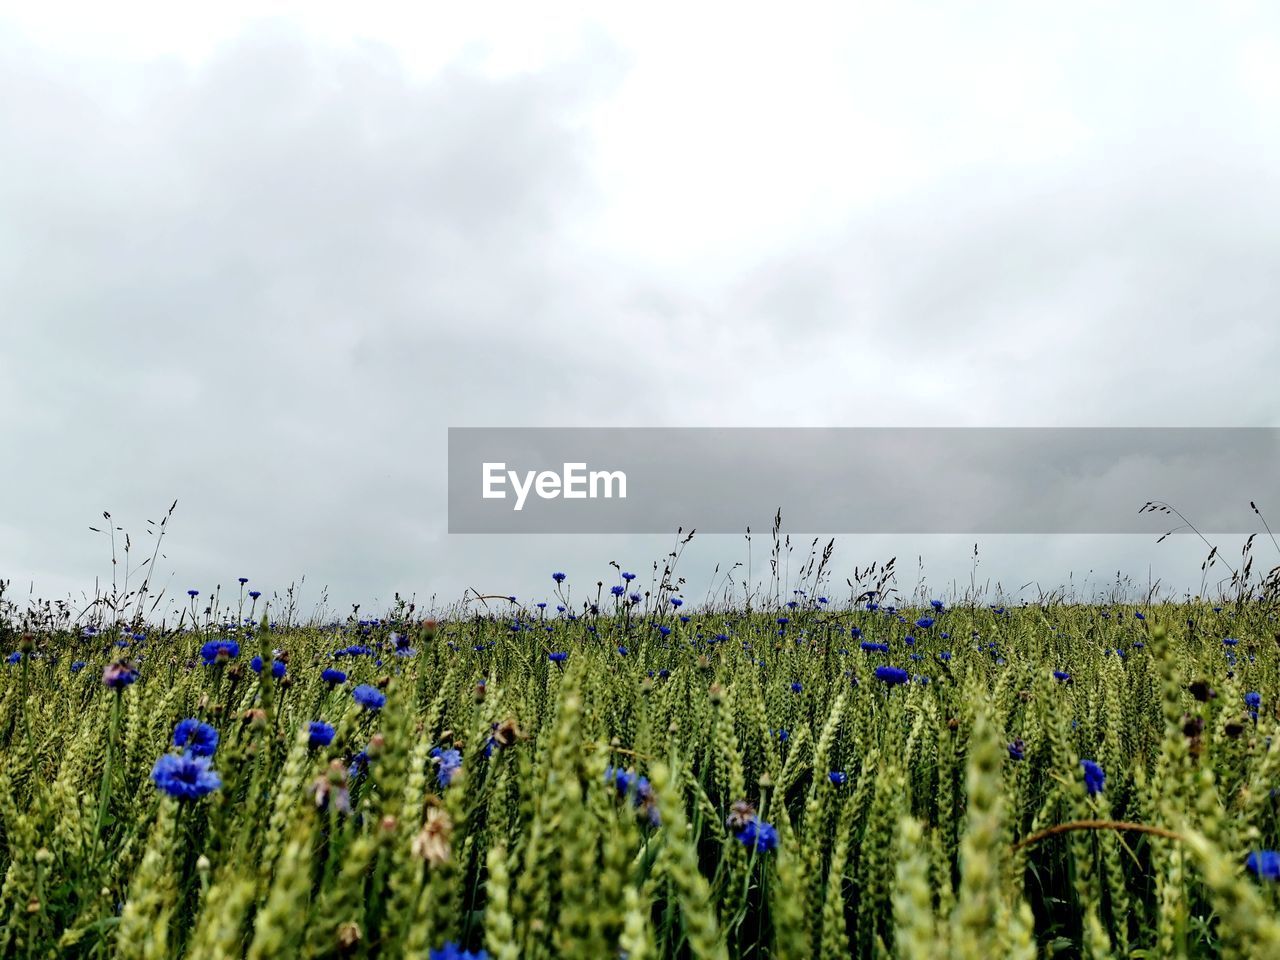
(602, 806)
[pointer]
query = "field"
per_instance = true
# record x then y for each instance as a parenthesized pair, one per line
(641, 778)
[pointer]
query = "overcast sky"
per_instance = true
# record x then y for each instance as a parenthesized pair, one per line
(260, 264)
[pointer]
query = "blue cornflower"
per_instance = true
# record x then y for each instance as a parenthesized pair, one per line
(219, 651)
(628, 576)
(1094, 778)
(796, 687)
(185, 776)
(622, 651)
(255, 594)
(277, 667)
(117, 676)
(451, 951)
(1229, 641)
(193, 593)
(838, 777)
(371, 698)
(359, 764)
(620, 779)
(909, 640)
(333, 677)
(924, 623)
(1264, 864)
(13, 658)
(77, 666)
(198, 738)
(558, 578)
(871, 647)
(891, 675)
(676, 602)
(617, 590)
(945, 656)
(243, 581)
(321, 733)
(936, 604)
(634, 597)
(1138, 615)
(558, 656)
(1061, 676)
(759, 836)
(450, 764)
(1017, 749)
(1253, 700)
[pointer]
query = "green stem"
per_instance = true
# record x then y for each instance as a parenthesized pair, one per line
(104, 794)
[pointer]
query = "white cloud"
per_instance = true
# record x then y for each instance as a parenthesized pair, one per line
(260, 257)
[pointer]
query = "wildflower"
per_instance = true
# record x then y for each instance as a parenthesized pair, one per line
(77, 666)
(617, 590)
(1138, 615)
(450, 762)
(451, 951)
(924, 623)
(507, 732)
(1061, 676)
(432, 843)
(119, 675)
(320, 734)
(255, 594)
(1017, 750)
(891, 675)
(198, 738)
(759, 836)
(871, 647)
(332, 786)
(1264, 864)
(557, 577)
(945, 656)
(369, 697)
(185, 776)
(1229, 641)
(193, 594)
(628, 576)
(741, 812)
(558, 657)
(359, 764)
(1201, 691)
(1094, 778)
(13, 658)
(219, 651)
(796, 687)
(937, 605)
(243, 581)
(676, 602)
(277, 667)
(333, 677)
(1253, 700)
(634, 598)
(838, 778)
